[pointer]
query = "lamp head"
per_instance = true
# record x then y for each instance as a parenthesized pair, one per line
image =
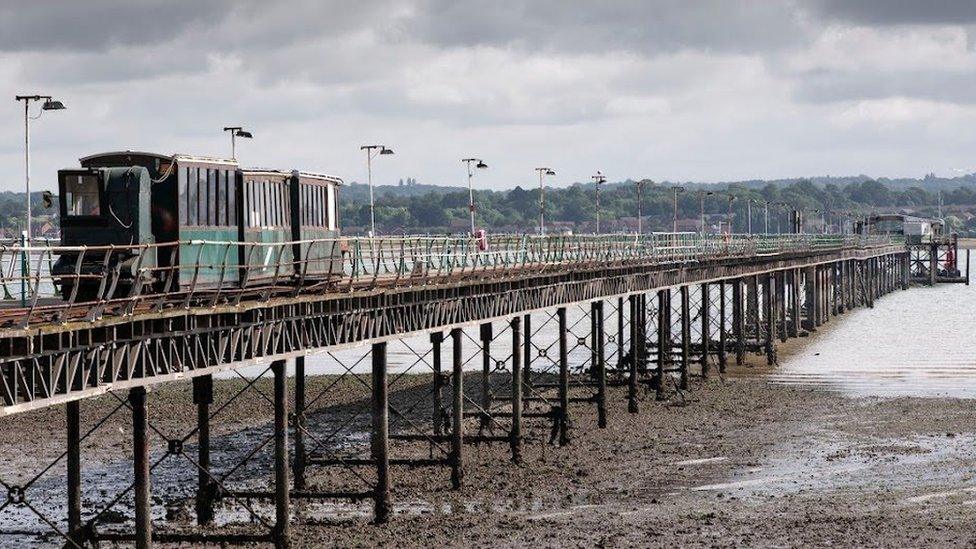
(481, 165)
(385, 150)
(52, 105)
(243, 133)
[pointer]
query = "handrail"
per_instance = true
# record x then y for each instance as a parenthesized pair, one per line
(96, 281)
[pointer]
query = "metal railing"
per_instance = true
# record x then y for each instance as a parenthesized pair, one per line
(44, 283)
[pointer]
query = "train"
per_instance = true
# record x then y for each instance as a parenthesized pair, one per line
(130, 199)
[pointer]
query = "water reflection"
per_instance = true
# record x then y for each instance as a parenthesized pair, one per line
(913, 343)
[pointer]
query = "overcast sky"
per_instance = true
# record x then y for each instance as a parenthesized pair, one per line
(665, 89)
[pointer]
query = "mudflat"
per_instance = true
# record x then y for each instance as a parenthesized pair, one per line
(734, 461)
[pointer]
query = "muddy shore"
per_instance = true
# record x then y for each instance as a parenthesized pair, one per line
(735, 461)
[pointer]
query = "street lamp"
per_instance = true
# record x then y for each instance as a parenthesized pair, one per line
(480, 164)
(235, 132)
(674, 214)
(371, 152)
(766, 216)
(640, 202)
(749, 215)
(48, 105)
(701, 207)
(542, 198)
(598, 180)
(728, 216)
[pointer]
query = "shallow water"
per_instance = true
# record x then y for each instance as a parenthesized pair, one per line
(912, 343)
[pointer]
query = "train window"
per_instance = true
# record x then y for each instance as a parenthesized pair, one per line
(212, 201)
(191, 196)
(266, 202)
(275, 204)
(318, 207)
(181, 185)
(309, 207)
(221, 197)
(81, 195)
(252, 204)
(230, 180)
(324, 193)
(283, 208)
(333, 211)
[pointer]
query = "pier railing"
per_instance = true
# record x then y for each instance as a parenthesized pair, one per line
(52, 283)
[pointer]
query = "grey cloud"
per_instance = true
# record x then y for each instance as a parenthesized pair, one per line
(99, 24)
(221, 25)
(583, 25)
(897, 12)
(829, 86)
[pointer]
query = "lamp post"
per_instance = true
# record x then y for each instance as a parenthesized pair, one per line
(701, 207)
(766, 217)
(480, 164)
(749, 215)
(598, 180)
(728, 216)
(371, 152)
(542, 198)
(48, 105)
(640, 203)
(674, 212)
(235, 132)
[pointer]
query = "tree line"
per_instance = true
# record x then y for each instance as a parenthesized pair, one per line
(574, 207)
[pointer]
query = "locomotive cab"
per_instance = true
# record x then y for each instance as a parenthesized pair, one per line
(102, 207)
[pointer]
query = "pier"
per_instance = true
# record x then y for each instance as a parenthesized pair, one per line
(542, 326)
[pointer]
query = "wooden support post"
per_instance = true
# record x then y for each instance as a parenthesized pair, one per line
(527, 357)
(436, 339)
(706, 324)
(795, 302)
(140, 451)
(620, 336)
(841, 287)
(769, 312)
(632, 366)
(457, 409)
(601, 365)
(486, 397)
(663, 340)
(722, 343)
(781, 304)
(753, 309)
(300, 424)
(810, 301)
(73, 459)
(203, 398)
(738, 322)
(282, 499)
(933, 263)
(381, 434)
(685, 336)
(642, 334)
(563, 378)
(516, 434)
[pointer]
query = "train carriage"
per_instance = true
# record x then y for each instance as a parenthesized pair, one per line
(206, 205)
(267, 221)
(316, 207)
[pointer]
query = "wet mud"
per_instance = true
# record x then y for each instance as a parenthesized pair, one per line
(736, 460)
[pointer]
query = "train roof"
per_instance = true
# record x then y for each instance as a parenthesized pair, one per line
(305, 175)
(213, 160)
(177, 157)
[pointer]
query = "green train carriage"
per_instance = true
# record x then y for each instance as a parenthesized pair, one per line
(192, 199)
